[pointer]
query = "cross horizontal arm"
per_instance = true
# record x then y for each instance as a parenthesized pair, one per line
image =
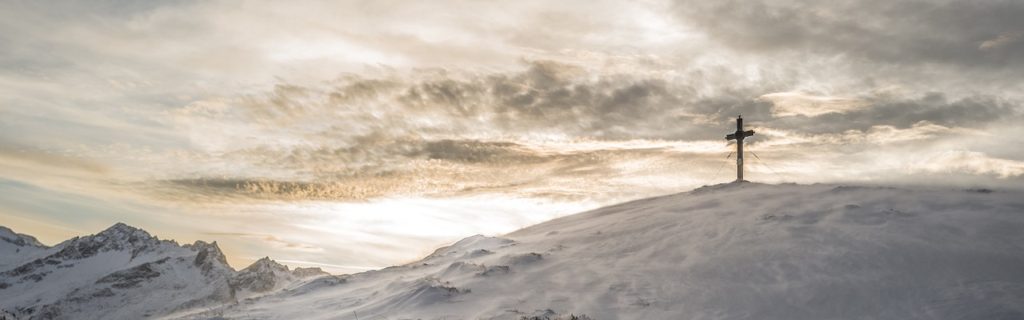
(744, 134)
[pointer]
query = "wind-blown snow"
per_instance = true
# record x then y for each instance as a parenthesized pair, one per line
(733, 251)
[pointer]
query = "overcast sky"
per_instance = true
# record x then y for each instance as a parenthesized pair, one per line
(355, 135)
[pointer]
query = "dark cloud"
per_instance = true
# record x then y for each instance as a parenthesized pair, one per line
(471, 151)
(546, 97)
(441, 132)
(975, 112)
(968, 34)
(442, 167)
(550, 97)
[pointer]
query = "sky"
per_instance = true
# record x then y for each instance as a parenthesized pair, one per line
(354, 135)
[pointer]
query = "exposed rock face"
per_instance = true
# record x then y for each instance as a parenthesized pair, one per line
(209, 255)
(133, 276)
(309, 272)
(116, 238)
(157, 287)
(262, 276)
(267, 275)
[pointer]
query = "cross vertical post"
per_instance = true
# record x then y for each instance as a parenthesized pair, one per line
(738, 136)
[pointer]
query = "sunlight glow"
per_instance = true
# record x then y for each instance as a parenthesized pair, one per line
(383, 232)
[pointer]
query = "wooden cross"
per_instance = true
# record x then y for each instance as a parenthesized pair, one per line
(738, 136)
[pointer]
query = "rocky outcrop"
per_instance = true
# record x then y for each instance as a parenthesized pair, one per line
(209, 256)
(262, 276)
(267, 275)
(309, 272)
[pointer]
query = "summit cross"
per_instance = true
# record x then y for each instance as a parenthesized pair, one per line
(738, 136)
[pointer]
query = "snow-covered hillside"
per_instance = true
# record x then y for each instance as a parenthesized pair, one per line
(732, 251)
(125, 273)
(15, 248)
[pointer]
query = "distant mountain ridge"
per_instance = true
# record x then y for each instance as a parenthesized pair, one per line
(124, 272)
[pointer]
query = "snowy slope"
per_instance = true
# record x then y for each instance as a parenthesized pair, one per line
(734, 251)
(122, 273)
(16, 248)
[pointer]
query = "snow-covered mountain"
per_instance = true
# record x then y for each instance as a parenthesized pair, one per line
(266, 275)
(15, 248)
(125, 273)
(732, 251)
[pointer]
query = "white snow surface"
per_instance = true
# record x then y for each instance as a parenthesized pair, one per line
(731, 251)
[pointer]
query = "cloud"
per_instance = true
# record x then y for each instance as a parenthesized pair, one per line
(272, 240)
(971, 162)
(898, 33)
(880, 135)
(904, 111)
(798, 103)
(1003, 40)
(34, 157)
(443, 132)
(441, 168)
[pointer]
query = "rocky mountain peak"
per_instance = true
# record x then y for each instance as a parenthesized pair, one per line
(266, 264)
(125, 235)
(209, 255)
(119, 237)
(262, 276)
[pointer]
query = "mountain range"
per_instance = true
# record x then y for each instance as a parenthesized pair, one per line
(126, 273)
